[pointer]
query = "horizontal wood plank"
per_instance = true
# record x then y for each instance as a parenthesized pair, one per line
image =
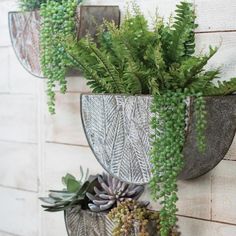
(4, 68)
(18, 165)
(20, 81)
(225, 57)
(224, 192)
(195, 227)
(18, 118)
(64, 159)
(66, 125)
(19, 212)
(216, 15)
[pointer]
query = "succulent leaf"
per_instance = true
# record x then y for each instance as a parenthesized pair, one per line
(74, 194)
(111, 192)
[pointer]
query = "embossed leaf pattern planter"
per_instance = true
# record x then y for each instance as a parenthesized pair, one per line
(118, 132)
(24, 28)
(87, 223)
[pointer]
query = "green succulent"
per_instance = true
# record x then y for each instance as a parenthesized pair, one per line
(73, 194)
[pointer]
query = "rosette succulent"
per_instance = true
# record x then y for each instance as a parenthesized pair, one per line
(112, 192)
(74, 193)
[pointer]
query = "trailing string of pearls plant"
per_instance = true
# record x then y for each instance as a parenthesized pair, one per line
(58, 22)
(168, 123)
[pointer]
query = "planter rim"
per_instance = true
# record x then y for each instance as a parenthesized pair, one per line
(80, 5)
(144, 95)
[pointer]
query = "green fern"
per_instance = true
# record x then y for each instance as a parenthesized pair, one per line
(182, 40)
(222, 88)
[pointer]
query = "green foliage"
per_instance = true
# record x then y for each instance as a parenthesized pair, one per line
(166, 153)
(58, 22)
(222, 88)
(132, 213)
(74, 193)
(30, 5)
(133, 59)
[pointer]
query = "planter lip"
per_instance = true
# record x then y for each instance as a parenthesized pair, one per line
(144, 95)
(18, 12)
(79, 5)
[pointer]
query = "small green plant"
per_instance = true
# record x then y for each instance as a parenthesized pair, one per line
(130, 213)
(133, 59)
(30, 5)
(58, 22)
(74, 193)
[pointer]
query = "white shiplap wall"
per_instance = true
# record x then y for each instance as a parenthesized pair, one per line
(36, 149)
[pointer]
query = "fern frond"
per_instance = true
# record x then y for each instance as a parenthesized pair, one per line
(187, 73)
(95, 82)
(204, 80)
(223, 88)
(182, 40)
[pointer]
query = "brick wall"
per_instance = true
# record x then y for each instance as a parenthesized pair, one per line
(36, 149)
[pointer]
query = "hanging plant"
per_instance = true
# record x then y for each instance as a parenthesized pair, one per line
(162, 62)
(31, 5)
(58, 22)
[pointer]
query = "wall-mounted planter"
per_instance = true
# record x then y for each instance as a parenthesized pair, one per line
(118, 132)
(87, 223)
(24, 28)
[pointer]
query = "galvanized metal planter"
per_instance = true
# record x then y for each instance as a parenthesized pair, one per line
(118, 132)
(24, 28)
(87, 223)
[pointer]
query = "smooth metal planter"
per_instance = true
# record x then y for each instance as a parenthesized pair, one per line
(24, 28)
(87, 223)
(118, 132)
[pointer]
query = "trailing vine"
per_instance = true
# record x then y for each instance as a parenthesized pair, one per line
(169, 125)
(58, 22)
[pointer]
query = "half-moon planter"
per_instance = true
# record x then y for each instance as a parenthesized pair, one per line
(87, 223)
(118, 132)
(24, 28)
